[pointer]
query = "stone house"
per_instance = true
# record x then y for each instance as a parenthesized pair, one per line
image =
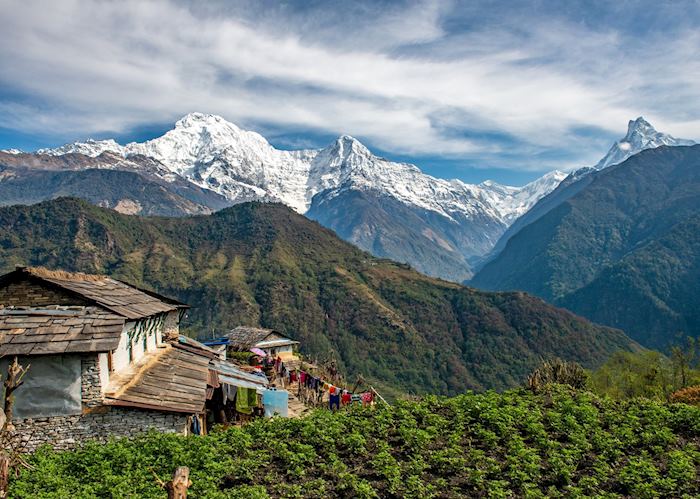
(106, 358)
(245, 338)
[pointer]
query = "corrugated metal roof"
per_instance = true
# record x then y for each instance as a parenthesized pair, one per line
(232, 375)
(276, 343)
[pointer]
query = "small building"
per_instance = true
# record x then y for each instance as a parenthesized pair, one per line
(106, 358)
(245, 338)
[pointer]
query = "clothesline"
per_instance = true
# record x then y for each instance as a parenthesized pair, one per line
(337, 396)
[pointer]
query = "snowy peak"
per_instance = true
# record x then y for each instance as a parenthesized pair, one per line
(641, 135)
(639, 128)
(200, 120)
(346, 146)
(512, 202)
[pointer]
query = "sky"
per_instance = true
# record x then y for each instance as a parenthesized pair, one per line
(472, 90)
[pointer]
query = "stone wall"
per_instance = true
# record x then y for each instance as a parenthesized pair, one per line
(171, 325)
(26, 293)
(66, 432)
(97, 422)
(90, 382)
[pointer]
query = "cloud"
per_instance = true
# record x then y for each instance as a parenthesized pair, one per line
(512, 87)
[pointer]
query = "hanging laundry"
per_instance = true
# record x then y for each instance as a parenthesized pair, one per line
(246, 400)
(346, 397)
(196, 426)
(356, 398)
(367, 398)
(229, 392)
(334, 401)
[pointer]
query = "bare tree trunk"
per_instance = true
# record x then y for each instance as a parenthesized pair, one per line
(15, 373)
(177, 487)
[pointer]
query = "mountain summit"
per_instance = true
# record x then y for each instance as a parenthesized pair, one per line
(641, 135)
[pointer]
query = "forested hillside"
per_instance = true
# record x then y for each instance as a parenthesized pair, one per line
(263, 264)
(624, 251)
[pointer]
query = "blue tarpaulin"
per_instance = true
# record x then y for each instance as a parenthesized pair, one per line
(275, 403)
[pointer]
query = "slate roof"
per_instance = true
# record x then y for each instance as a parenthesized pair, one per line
(246, 337)
(55, 330)
(117, 296)
(173, 379)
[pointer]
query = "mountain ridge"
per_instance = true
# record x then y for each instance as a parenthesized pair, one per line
(640, 136)
(459, 221)
(626, 236)
(453, 225)
(263, 264)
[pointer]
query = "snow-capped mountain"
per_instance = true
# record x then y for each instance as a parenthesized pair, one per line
(442, 227)
(641, 135)
(242, 165)
(452, 221)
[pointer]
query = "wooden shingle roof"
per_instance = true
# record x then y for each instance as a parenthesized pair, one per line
(36, 331)
(246, 337)
(117, 296)
(173, 380)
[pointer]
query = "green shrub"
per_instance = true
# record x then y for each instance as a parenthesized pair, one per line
(561, 443)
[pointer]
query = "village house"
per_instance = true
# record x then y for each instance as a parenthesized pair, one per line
(246, 338)
(106, 359)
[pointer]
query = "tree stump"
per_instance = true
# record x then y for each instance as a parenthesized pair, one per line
(4, 474)
(177, 487)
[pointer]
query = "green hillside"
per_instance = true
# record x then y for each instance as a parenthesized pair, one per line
(624, 251)
(516, 444)
(264, 264)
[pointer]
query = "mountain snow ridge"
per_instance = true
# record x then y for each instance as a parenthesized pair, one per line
(242, 165)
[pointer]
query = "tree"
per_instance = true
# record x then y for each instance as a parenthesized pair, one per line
(683, 359)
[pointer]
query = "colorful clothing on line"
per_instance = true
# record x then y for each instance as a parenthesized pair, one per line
(334, 401)
(246, 400)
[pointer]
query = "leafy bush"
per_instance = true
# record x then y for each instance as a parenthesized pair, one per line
(562, 443)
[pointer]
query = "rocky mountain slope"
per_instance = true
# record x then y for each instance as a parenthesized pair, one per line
(263, 264)
(138, 185)
(622, 248)
(459, 221)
